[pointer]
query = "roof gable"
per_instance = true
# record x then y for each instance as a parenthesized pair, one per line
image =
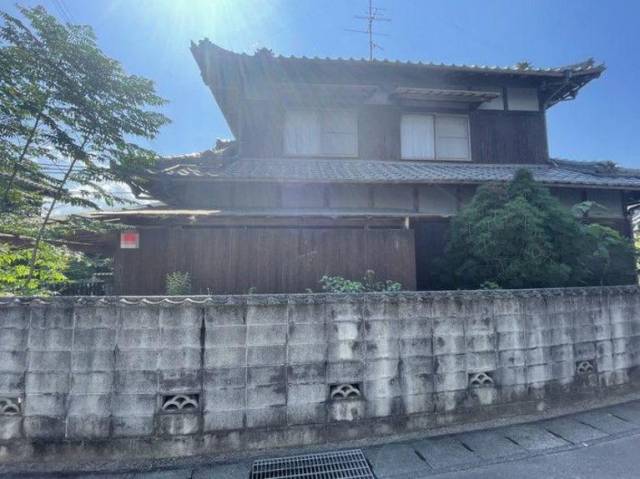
(234, 76)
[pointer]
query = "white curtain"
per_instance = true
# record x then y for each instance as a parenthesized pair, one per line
(339, 133)
(321, 133)
(302, 131)
(417, 137)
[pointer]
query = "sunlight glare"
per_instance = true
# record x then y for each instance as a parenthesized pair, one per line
(240, 25)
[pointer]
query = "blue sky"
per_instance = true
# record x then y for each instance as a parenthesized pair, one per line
(151, 38)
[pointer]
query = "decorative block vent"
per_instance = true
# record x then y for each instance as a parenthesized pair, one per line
(585, 367)
(349, 464)
(481, 379)
(180, 402)
(10, 406)
(344, 391)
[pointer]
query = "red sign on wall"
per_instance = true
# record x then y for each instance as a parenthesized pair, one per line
(129, 240)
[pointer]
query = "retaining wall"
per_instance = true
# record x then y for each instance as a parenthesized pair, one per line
(120, 377)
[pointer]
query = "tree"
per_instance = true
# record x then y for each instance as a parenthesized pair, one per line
(520, 236)
(70, 118)
(17, 277)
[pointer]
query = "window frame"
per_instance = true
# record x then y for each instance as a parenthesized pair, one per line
(321, 112)
(435, 116)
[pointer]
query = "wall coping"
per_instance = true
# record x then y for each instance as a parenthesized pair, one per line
(314, 298)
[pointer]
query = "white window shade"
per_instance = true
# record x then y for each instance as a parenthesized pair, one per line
(417, 137)
(302, 133)
(452, 138)
(523, 99)
(339, 133)
(441, 137)
(321, 133)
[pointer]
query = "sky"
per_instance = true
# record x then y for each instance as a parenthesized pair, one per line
(152, 37)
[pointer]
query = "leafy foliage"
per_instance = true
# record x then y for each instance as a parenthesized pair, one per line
(178, 283)
(69, 120)
(520, 236)
(49, 270)
(338, 284)
(57, 270)
(608, 256)
(83, 267)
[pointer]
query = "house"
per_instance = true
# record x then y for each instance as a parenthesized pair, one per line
(342, 165)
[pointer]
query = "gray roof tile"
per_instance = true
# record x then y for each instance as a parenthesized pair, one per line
(585, 67)
(373, 171)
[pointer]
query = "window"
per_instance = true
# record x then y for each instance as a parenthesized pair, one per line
(417, 137)
(523, 99)
(321, 133)
(429, 137)
(452, 138)
(302, 133)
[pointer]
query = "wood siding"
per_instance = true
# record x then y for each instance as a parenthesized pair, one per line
(496, 136)
(379, 133)
(508, 137)
(273, 260)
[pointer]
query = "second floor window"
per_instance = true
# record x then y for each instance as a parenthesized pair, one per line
(321, 133)
(435, 137)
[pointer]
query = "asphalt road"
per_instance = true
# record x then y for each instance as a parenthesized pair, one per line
(616, 458)
(603, 443)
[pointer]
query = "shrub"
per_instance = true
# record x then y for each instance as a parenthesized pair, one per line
(519, 236)
(338, 284)
(178, 283)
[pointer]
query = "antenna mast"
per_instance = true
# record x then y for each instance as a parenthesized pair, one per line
(371, 17)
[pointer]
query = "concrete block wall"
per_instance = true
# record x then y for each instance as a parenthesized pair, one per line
(128, 377)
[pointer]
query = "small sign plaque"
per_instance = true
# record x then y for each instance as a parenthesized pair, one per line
(129, 240)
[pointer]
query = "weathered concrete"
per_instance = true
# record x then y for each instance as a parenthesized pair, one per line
(101, 378)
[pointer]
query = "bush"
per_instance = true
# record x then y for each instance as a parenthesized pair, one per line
(520, 236)
(338, 284)
(178, 283)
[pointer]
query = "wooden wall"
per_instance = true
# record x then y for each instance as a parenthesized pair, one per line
(508, 137)
(225, 260)
(496, 136)
(379, 133)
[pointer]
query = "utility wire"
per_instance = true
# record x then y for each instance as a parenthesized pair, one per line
(62, 10)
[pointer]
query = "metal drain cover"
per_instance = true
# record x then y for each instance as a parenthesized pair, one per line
(329, 465)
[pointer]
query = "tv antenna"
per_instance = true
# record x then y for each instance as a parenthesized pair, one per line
(374, 15)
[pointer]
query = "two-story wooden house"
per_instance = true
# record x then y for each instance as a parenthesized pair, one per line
(342, 165)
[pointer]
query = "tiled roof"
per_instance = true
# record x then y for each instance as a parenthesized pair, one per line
(373, 171)
(585, 67)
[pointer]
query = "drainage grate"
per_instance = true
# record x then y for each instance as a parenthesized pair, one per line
(330, 465)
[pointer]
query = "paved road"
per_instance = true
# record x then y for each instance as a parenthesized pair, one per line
(601, 444)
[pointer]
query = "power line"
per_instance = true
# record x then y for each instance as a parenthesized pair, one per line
(67, 10)
(373, 15)
(63, 10)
